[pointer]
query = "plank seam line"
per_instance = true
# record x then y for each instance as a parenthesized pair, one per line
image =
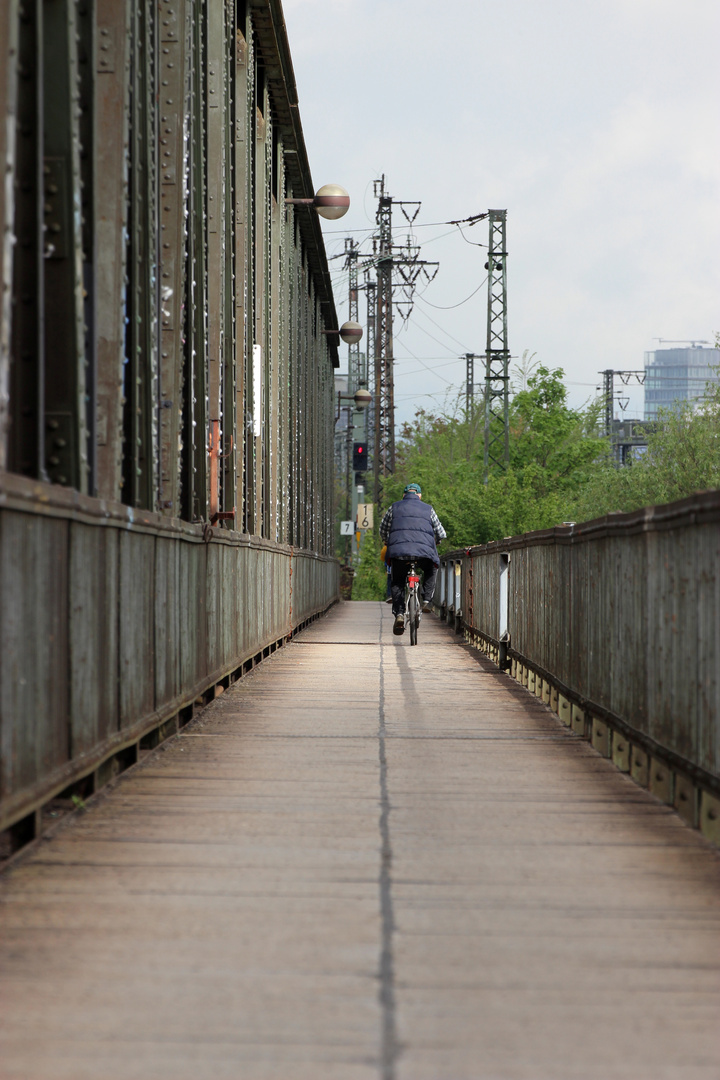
(389, 1047)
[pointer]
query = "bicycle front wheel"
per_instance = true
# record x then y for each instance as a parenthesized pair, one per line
(413, 616)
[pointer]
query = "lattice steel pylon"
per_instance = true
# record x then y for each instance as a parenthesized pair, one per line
(355, 372)
(609, 399)
(497, 354)
(384, 440)
(370, 287)
(469, 382)
(388, 258)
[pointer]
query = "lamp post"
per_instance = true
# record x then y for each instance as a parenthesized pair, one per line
(331, 202)
(361, 398)
(350, 332)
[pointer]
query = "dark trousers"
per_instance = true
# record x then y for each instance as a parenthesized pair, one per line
(399, 577)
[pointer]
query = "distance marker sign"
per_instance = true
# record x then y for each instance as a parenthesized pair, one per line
(365, 516)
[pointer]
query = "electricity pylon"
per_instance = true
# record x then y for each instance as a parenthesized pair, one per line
(370, 287)
(609, 398)
(356, 374)
(497, 354)
(388, 258)
(384, 441)
(470, 358)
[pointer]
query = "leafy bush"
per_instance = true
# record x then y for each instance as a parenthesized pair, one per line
(683, 456)
(560, 467)
(370, 580)
(553, 450)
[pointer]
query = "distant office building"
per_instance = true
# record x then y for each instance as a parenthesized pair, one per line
(678, 375)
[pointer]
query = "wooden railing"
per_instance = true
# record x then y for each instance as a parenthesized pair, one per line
(615, 624)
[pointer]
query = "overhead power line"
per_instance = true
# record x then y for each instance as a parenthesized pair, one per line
(473, 220)
(450, 307)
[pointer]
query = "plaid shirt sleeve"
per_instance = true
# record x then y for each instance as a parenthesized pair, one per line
(440, 533)
(386, 525)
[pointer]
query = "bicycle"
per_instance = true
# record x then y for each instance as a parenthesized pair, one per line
(412, 602)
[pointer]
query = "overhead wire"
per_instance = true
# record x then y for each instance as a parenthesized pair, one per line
(428, 334)
(368, 261)
(473, 243)
(418, 371)
(432, 371)
(473, 220)
(451, 307)
(410, 397)
(445, 361)
(341, 274)
(443, 331)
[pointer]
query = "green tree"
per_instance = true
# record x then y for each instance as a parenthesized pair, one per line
(553, 450)
(682, 457)
(370, 580)
(560, 465)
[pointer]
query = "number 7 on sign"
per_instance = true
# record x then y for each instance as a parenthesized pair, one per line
(365, 516)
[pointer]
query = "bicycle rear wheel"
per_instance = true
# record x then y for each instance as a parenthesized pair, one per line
(413, 616)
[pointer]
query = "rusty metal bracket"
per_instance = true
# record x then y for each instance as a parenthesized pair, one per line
(222, 515)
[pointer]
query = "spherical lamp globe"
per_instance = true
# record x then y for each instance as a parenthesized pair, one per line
(332, 201)
(351, 332)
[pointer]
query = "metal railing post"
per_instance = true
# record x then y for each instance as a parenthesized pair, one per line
(503, 598)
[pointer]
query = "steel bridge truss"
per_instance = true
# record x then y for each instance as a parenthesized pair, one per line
(167, 347)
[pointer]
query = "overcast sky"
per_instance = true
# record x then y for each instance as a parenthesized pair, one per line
(594, 124)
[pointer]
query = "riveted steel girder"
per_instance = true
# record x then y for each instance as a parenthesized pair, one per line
(66, 455)
(27, 347)
(111, 114)
(175, 333)
(141, 376)
(173, 138)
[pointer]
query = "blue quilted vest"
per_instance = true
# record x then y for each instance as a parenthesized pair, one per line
(412, 535)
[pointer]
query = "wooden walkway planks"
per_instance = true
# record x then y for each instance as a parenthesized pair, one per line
(366, 861)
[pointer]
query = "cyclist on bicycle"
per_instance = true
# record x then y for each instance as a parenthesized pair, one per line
(412, 530)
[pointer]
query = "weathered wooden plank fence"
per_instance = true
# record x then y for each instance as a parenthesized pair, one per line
(115, 623)
(615, 624)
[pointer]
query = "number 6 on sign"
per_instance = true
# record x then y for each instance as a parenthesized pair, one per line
(365, 516)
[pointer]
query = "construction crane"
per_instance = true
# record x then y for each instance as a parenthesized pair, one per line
(682, 341)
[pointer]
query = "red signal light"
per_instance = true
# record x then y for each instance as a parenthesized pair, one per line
(360, 457)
